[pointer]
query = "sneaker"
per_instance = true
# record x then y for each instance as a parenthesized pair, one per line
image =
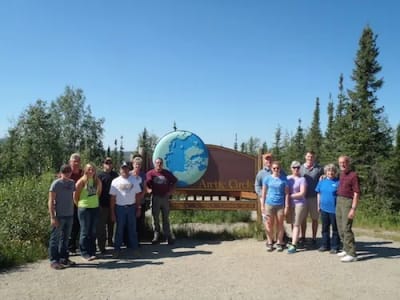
(170, 241)
(116, 254)
(334, 251)
(67, 263)
(279, 247)
(92, 257)
(322, 249)
(56, 266)
(291, 249)
(270, 247)
(301, 242)
(342, 254)
(314, 243)
(156, 238)
(348, 258)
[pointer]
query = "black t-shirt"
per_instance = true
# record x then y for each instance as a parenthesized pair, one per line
(106, 179)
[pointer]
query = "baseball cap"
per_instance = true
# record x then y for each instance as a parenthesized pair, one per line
(124, 164)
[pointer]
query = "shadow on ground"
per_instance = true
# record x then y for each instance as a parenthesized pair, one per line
(378, 249)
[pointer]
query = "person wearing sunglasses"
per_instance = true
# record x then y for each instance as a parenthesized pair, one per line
(298, 211)
(274, 205)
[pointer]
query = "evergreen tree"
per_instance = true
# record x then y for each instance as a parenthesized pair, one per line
(329, 146)
(299, 148)
(235, 145)
(277, 143)
(369, 138)
(314, 136)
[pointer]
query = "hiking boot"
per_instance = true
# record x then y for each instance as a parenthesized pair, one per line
(322, 249)
(334, 251)
(170, 241)
(116, 254)
(156, 238)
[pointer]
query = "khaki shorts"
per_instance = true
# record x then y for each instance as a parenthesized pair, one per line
(272, 210)
(298, 214)
(312, 208)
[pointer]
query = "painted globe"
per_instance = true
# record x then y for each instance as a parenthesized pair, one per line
(184, 154)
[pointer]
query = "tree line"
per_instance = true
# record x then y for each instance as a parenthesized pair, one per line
(47, 133)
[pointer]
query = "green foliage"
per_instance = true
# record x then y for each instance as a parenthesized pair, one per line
(204, 216)
(314, 136)
(24, 221)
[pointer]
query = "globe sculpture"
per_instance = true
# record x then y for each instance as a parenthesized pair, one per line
(184, 154)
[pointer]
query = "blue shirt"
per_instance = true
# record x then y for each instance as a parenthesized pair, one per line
(276, 190)
(327, 189)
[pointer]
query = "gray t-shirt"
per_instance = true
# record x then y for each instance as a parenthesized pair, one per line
(64, 190)
(312, 176)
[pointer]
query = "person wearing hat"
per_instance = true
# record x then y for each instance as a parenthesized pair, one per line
(61, 210)
(298, 210)
(105, 227)
(125, 207)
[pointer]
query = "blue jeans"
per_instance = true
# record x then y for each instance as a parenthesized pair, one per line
(88, 218)
(125, 217)
(327, 220)
(58, 244)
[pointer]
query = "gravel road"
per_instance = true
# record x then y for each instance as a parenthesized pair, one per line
(197, 269)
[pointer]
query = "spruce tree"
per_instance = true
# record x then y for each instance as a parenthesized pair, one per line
(314, 136)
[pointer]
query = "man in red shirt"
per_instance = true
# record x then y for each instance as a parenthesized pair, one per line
(348, 195)
(161, 184)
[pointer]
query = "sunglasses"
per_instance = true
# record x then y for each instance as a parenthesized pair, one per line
(108, 162)
(296, 168)
(276, 168)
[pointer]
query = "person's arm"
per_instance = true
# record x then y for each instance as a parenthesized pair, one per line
(301, 193)
(354, 204)
(262, 198)
(319, 201)
(148, 183)
(287, 203)
(52, 209)
(112, 208)
(77, 194)
(258, 185)
(99, 186)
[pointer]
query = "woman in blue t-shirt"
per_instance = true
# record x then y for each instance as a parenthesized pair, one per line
(274, 204)
(326, 197)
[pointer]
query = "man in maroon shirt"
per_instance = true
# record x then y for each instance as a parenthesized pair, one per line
(348, 195)
(161, 184)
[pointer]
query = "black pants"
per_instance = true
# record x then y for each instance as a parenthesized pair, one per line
(73, 239)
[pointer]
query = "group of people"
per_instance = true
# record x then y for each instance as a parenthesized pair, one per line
(314, 191)
(85, 204)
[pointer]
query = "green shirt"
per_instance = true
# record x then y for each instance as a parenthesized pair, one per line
(89, 198)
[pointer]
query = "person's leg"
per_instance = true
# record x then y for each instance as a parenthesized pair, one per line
(314, 214)
(101, 228)
(269, 224)
(155, 210)
(94, 218)
(280, 218)
(131, 225)
(54, 255)
(74, 232)
(348, 235)
(120, 225)
(303, 227)
(341, 219)
(325, 230)
(84, 221)
(65, 232)
(110, 230)
(335, 236)
(165, 216)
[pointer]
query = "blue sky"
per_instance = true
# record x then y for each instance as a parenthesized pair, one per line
(216, 68)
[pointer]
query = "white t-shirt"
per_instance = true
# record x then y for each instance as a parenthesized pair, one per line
(125, 189)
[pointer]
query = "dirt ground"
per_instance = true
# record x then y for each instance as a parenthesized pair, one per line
(194, 269)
